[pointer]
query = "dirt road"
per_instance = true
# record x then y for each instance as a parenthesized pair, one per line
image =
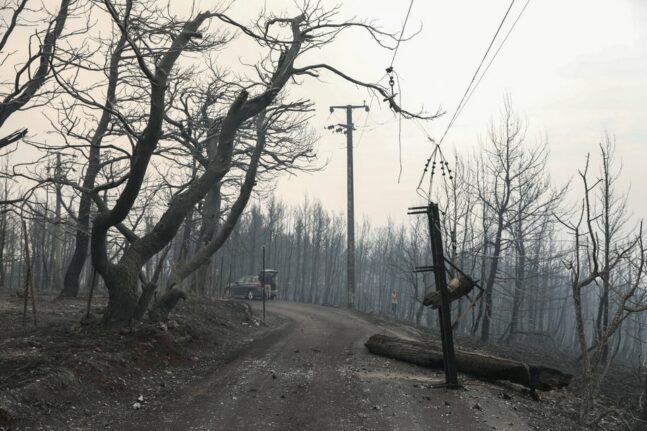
(315, 374)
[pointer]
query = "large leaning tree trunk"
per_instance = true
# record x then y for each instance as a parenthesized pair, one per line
(183, 269)
(82, 240)
(121, 279)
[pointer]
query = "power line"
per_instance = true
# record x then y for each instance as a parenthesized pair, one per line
(389, 70)
(397, 77)
(472, 86)
(495, 55)
(458, 108)
(395, 51)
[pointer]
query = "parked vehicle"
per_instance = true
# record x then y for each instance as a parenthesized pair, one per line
(251, 286)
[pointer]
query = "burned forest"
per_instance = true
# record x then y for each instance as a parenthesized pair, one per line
(314, 215)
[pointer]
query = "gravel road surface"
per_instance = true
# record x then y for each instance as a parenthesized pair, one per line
(314, 373)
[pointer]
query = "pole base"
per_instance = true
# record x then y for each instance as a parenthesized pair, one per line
(447, 386)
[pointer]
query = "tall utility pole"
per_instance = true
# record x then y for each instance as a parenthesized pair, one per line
(350, 213)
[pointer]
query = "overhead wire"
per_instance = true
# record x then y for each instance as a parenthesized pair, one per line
(406, 19)
(388, 71)
(473, 84)
(397, 78)
(370, 105)
(460, 104)
(495, 55)
(469, 91)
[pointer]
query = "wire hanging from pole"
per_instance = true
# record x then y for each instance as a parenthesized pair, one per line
(397, 77)
(391, 73)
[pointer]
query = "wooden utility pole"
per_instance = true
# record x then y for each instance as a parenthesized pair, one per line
(350, 212)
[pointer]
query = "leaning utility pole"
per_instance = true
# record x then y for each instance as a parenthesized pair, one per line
(444, 311)
(350, 213)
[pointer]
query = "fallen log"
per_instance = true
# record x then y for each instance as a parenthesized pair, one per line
(476, 364)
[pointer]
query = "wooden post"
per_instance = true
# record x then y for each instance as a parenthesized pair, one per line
(29, 287)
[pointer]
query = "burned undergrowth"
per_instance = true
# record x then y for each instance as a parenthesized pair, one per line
(65, 373)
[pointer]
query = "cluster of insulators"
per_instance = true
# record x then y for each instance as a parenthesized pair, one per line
(444, 168)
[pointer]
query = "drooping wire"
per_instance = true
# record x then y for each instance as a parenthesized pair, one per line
(387, 73)
(370, 105)
(397, 77)
(391, 73)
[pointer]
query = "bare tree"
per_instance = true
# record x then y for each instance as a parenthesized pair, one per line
(509, 168)
(585, 269)
(30, 76)
(611, 221)
(73, 272)
(312, 28)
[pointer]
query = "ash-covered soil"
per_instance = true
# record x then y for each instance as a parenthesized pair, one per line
(215, 365)
(71, 373)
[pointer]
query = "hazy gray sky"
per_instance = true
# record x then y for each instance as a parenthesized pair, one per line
(574, 69)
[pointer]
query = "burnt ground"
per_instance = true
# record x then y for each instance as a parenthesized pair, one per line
(68, 375)
(215, 366)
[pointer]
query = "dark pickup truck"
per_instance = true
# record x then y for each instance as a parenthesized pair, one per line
(250, 286)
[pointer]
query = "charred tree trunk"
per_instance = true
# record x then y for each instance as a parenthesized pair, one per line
(73, 273)
(641, 421)
(519, 288)
(163, 306)
(122, 279)
(3, 233)
(489, 285)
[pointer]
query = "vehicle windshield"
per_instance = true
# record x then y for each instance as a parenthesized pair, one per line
(248, 279)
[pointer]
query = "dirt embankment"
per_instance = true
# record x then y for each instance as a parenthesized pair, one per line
(67, 375)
